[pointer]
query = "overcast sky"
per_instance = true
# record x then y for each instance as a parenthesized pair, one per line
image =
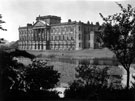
(20, 12)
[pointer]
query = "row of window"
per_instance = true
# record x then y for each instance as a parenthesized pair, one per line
(38, 31)
(26, 38)
(86, 37)
(58, 30)
(25, 35)
(52, 30)
(42, 31)
(41, 46)
(62, 37)
(51, 45)
(62, 29)
(54, 44)
(23, 32)
(88, 29)
(62, 33)
(44, 42)
(42, 37)
(35, 37)
(80, 45)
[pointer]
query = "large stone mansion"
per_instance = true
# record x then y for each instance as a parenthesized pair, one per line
(49, 33)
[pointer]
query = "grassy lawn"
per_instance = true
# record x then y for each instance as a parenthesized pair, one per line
(78, 54)
(66, 69)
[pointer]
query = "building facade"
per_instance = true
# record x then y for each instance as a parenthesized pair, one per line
(48, 33)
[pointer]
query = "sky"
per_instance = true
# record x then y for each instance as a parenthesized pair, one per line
(17, 13)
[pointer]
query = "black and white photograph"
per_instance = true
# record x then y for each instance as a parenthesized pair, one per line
(67, 50)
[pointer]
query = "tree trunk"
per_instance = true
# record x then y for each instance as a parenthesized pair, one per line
(1, 90)
(128, 78)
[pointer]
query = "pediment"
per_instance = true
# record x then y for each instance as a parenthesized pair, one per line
(39, 24)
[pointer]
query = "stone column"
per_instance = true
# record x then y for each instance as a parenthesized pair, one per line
(44, 45)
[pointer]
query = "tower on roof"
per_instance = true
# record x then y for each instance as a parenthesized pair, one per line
(50, 19)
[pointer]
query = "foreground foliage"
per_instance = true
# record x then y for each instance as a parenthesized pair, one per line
(118, 34)
(19, 82)
(93, 84)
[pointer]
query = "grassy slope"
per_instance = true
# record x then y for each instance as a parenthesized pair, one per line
(80, 54)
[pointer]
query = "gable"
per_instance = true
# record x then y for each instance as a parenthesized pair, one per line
(39, 24)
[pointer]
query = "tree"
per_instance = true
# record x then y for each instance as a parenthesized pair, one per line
(8, 66)
(32, 81)
(1, 22)
(39, 75)
(118, 34)
(92, 74)
(23, 82)
(90, 81)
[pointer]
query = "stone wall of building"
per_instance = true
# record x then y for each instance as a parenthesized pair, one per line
(48, 33)
(63, 37)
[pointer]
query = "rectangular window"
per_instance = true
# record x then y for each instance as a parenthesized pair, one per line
(89, 45)
(79, 28)
(51, 37)
(55, 37)
(35, 46)
(63, 37)
(79, 45)
(59, 37)
(89, 37)
(51, 31)
(72, 38)
(67, 38)
(79, 36)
